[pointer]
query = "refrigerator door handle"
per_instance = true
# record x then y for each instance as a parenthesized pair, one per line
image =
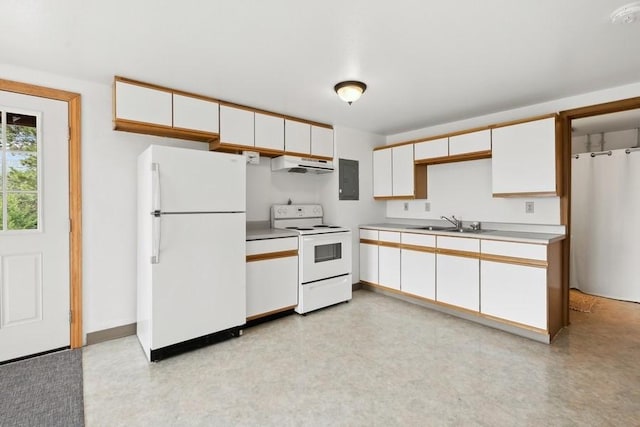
(155, 187)
(155, 244)
(155, 206)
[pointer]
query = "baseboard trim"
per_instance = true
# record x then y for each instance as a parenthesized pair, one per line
(111, 333)
(356, 286)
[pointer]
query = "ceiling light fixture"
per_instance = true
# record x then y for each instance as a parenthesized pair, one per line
(350, 91)
(626, 14)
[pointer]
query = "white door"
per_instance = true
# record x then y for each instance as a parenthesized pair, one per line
(34, 225)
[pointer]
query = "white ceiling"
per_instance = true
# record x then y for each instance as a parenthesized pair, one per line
(425, 62)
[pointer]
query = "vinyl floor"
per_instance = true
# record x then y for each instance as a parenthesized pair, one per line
(378, 361)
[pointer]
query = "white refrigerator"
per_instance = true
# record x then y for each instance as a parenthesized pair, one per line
(191, 249)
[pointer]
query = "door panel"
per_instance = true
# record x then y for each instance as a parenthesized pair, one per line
(34, 230)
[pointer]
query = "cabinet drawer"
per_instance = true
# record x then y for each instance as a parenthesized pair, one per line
(514, 249)
(368, 234)
(431, 149)
(266, 246)
(425, 240)
(458, 243)
(389, 236)
(470, 142)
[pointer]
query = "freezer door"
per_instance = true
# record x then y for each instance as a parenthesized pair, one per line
(198, 285)
(189, 180)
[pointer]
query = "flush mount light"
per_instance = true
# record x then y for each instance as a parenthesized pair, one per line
(626, 14)
(350, 91)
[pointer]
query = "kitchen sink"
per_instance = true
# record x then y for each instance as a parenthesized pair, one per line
(450, 229)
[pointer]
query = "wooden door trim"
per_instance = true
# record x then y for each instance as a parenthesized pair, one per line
(75, 194)
(565, 200)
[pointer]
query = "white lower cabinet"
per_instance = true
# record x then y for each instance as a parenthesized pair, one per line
(418, 265)
(511, 289)
(272, 275)
(369, 256)
(389, 259)
(458, 272)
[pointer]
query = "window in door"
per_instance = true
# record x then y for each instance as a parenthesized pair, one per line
(19, 170)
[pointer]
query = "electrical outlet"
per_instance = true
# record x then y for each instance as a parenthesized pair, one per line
(528, 207)
(427, 206)
(406, 206)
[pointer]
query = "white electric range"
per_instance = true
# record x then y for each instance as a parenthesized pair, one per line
(324, 256)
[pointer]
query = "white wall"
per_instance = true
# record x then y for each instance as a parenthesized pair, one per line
(265, 188)
(464, 190)
(482, 207)
(353, 144)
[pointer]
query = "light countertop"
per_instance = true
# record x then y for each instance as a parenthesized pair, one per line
(515, 236)
(260, 230)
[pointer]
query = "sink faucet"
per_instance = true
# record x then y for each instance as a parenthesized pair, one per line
(453, 220)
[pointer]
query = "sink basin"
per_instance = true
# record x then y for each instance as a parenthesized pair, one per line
(450, 229)
(437, 228)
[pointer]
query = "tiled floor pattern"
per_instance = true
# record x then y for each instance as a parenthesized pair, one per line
(378, 361)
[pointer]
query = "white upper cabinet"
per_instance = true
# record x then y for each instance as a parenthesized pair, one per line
(470, 142)
(382, 173)
(195, 113)
(321, 141)
(297, 137)
(403, 170)
(236, 126)
(524, 158)
(393, 172)
(269, 132)
(431, 149)
(143, 104)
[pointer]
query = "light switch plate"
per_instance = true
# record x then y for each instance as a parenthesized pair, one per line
(406, 206)
(427, 206)
(528, 207)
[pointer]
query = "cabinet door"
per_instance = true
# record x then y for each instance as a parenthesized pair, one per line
(195, 113)
(403, 170)
(369, 263)
(272, 284)
(514, 292)
(236, 126)
(269, 132)
(382, 173)
(297, 137)
(322, 141)
(470, 142)
(524, 158)
(458, 275)
(143, 104)
(431, 149)
(418, 266)
(389, 259)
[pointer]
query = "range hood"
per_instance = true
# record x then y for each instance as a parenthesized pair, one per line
(300, 165)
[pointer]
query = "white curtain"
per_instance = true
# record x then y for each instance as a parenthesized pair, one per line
(605, 225)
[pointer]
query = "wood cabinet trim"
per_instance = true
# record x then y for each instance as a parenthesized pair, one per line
(411, 197)
(369, 242)
(476, 155)
(389, 244)
(458, 253)
(530, 194)
(272, 255)
(269, 313)
(162, 130)
(305, 155)
(527, 262)
(418, 248)
(521, 121)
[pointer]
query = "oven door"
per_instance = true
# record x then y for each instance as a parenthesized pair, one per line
(325, 255)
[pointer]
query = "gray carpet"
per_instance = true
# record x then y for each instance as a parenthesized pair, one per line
(43, 391)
